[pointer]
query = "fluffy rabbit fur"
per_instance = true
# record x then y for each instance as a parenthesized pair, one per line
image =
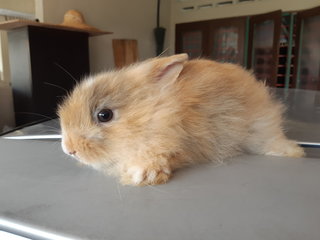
(170, 112)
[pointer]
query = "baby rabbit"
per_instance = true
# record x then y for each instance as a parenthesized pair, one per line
(142, 122)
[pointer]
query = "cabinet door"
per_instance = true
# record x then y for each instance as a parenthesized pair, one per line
(226, 40)
(307, 65)
(264, 46)
(192, 38)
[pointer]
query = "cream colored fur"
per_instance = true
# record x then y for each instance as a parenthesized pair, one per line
(171, 112)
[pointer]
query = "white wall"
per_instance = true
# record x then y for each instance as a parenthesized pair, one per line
(6, 100)
(25, 6)
(126, 18)
(239, 9)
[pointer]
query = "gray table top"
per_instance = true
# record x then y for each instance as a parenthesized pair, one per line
(249, 197)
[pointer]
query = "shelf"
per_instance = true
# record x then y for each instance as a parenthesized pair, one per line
(283, 75)
(282, 55)
(17, 23)
(283, 65)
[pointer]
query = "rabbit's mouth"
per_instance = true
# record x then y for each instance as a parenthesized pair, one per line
(99, 164)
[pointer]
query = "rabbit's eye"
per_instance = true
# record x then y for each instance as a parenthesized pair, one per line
(105, 115)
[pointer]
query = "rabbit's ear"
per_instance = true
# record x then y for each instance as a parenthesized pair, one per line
(164, 70)
(167, 69)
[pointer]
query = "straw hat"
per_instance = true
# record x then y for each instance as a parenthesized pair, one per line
(75, 19)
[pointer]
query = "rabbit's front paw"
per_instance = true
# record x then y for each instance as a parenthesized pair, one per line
(145, 175)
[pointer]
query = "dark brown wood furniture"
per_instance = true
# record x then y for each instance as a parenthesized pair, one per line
(45, 62)
(221, 39)
(307, 64)
(263, 48)
(282, 49)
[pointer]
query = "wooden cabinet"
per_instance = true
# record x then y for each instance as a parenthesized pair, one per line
(307, 64)
(264, 46)
(222, 40)
(282, 49)
(44, 63)
(286, 51)
(227, 40)
(192, 38)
